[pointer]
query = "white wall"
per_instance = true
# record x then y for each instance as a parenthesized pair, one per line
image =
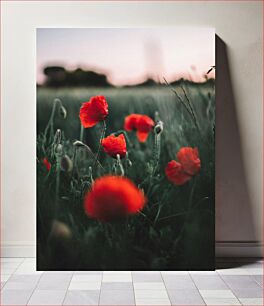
(239, 129)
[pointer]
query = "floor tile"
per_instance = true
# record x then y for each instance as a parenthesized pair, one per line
(60, 272)
(117, 277)
(54, 281)
(255, 271)
(85, 286)
(24, 278)
(252, 301)
(20, 285)
(117, 286)
(174, 273)
(117, 297)
(258, 279)
(158, 302)
(178, 282)
(88, 272)
(149, 285)
(151, 293)
(185, 297)
(222, 301)
(27, 268)
(146, 277)
(8, 270)
(15, 297)
(10, 265)
(217, 294)
(5, 277)
(233, 271)
(47, 297)
(117, 272)
(87, 278)
(209, 282)
(248, 293)
(87, 297)
(209, 273)
(240, 282)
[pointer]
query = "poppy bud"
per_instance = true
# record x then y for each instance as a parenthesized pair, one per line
(90, 174)
(46, 163)
(128, 161)
(66, 163)
(158, 129)
(59, 149)
(60, 230)
(57, 137)
(78, 143)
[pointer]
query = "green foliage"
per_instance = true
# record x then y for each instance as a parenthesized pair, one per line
(175, 231)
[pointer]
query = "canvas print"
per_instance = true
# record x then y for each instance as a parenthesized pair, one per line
(125, 148)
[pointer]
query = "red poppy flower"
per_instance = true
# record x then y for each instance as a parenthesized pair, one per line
(143, 124)
(93, 111)
(131, 121)
(112, 198)
(46, 163)
(114, 145)
(175, 173)
(189, 158)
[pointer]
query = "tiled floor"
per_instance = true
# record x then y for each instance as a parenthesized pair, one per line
(236, 282)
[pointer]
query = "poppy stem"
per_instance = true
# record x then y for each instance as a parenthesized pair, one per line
(119, 165)
(128, 162)
(51, 120)
(79, 144)
(81, 133)
(57, 183)
(156, 156)
(100, 143)
(191, 108)
(188, 212)
(73, 161)
(91, 174)
(58, 154)
(187, 106)
(156, 153)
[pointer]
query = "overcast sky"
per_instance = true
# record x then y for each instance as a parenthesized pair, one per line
(128, 56)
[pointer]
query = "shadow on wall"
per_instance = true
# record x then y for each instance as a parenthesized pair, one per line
(234, 218)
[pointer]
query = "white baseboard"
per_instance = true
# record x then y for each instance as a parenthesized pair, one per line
(222, 249)
(239, 249)
(26, 249)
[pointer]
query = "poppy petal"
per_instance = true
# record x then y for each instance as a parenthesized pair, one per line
(93, 111)
(114, 145)
(189, 159)
(175, 173)
(142, 136)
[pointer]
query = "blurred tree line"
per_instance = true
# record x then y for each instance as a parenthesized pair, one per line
(57, 76)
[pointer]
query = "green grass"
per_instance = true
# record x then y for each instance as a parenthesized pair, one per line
(175, 230)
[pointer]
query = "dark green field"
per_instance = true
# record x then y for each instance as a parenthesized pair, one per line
(175, 231)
